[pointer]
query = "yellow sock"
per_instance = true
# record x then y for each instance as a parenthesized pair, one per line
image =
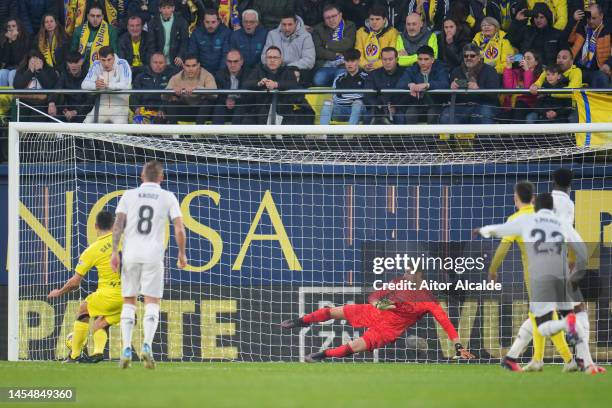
(539, 341)
(100, 336)
(79, 337)
(560, 343)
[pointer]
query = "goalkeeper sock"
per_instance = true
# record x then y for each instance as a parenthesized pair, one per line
(79, 337)
(522, 340)
(338, 352)
(320, 315)
(100, 337)
(128, 317)
(150, 321)
(582, 318)
(552, 327)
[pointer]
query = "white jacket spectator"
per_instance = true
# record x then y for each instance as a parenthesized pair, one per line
(112, 73)
(294, 42)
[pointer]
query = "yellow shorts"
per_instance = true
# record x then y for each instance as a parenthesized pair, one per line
(103, 304)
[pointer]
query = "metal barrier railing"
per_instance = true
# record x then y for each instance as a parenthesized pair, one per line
(276, 94)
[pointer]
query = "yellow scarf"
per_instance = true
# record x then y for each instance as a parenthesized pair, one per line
(74, 11)
(48, 50)
(111, 12)
(102, 38)
(491, 49)
(193, 10)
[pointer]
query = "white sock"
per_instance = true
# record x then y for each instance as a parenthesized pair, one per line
(582, 318)
(525, 334)
(582, 348)
(128, 319)
(552, 327)
(150, 321)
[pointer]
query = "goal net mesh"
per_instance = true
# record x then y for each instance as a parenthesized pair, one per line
(281, 225)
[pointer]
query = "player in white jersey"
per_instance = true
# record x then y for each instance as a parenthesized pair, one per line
(545, 236)
(141, 217)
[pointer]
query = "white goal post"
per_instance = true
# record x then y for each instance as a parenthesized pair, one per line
(282, 219)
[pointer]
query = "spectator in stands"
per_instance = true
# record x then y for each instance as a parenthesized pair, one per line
(472, 12)
(272, 74)
(493, 44)
(184, 106)
(311, 12)
(52, 41)
(112, 73)
(168, 33)
(92, 35)
(432, 13)
(34, 73)
(134, 46)
(451, 42)
(565, 59)
(150, 108)
(549, 108)
(8, 9)
(210, 42)
(296, 45)
(331, 38)
(374, 37)
(539, 35)
(71, 107)
(347, 106)
(559, 11)
(356, 11)
(520, 75)
(414, 36)
(14, 45)
(231, 108)
(383, 108)
(591, 46)
(31, 13)
(250, 38)
(473, 73)
(272, 11)
(427, 74)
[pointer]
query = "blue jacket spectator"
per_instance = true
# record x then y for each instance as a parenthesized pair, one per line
(211, 42)
(383, 108)
(427, 74)
(250, 39)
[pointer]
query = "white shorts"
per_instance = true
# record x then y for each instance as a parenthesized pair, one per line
(145, 279)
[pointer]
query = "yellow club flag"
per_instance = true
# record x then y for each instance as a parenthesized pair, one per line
(593, 108)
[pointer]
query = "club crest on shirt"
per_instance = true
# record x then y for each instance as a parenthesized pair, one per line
(371, 50)
(491, 53)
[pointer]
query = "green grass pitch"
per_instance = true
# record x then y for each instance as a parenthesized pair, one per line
(269, 385)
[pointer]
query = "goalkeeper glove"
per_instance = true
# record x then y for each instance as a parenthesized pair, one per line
(384, 304)
(462, 353)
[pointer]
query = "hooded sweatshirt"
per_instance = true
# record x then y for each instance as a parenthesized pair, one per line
(297, 49)
(120, 77)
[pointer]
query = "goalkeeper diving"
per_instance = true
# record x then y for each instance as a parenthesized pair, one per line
(104, 305)
(386, 317)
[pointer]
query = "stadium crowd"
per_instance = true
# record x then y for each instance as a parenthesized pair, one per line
(414, 45)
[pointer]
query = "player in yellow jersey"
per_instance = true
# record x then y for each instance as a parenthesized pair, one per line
(104, 305)
(523, 196)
